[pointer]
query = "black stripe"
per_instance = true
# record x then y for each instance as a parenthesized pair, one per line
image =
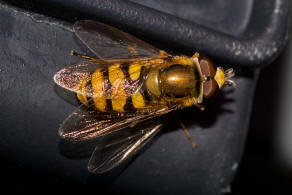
(141, 80)
(125, 68)
(88, 85)
(147, 97)
(108, 89)
(129, 104)
(129, 85)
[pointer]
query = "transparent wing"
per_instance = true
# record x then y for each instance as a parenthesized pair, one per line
(87, 123)
(116, 148)
(72, 75)
(77, 150)
(108, 42)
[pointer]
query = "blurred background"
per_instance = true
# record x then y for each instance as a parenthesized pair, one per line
(266, 165)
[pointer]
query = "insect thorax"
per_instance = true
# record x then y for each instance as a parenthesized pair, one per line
(175, 82)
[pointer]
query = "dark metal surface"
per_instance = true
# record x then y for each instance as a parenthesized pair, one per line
(34, 47)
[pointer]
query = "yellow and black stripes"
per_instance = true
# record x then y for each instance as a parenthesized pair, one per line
(82, 97)
(134, 80)
(107, 87)
(118, 94)
(115, 88)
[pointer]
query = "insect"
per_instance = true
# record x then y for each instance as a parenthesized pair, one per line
(129, 91)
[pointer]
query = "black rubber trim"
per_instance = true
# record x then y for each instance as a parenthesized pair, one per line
(260, 44)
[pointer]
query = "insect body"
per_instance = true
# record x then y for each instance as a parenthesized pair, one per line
(134, 93)
(144, 84)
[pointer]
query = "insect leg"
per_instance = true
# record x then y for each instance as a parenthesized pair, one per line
(74, 53)
(187, 133)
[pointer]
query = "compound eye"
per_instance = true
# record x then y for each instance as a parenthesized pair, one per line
(209, 88)
(207, 67)
(208, 70)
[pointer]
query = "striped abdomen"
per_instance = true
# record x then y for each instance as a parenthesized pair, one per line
(115, 88)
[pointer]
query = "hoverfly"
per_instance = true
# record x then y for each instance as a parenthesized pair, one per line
(131, 88)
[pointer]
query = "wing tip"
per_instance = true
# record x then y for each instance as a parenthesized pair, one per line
(95, 169)
(92, 169)
(67, 80)
(98, 167)
(64, 135)
(69, 136)
(58, 81)
(56, 78)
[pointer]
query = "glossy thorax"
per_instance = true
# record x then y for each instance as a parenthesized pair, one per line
(180, 82)
(186, 81)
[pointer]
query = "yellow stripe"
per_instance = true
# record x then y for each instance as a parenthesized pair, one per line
(98, 90)
(134, 71)
(118, 96)
(119, 100)
(138, 100)
(82, 96)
